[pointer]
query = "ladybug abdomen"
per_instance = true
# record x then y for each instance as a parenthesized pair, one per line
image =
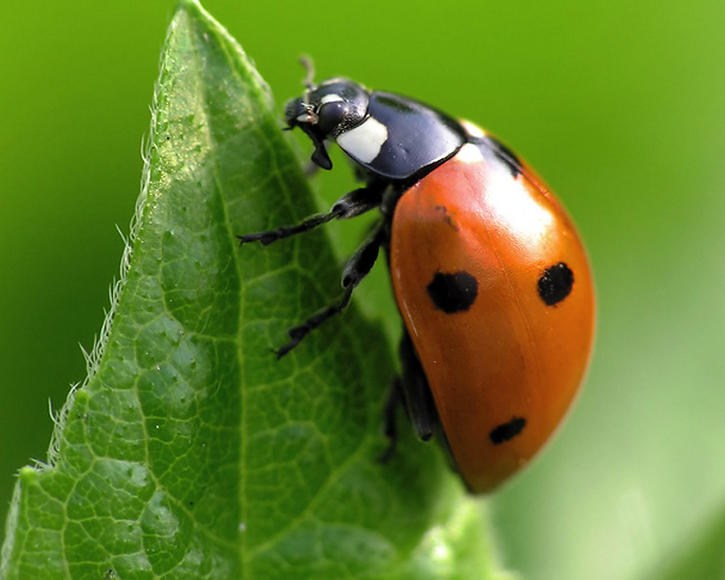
(495, 291)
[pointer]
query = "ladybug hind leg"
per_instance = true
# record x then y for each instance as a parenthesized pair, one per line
(412, 391)
(350, 205)
(357, 267)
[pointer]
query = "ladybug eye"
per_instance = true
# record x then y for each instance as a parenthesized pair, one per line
(331, 115)
(298, 112)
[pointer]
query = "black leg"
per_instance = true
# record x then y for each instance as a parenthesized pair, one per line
(413, 392)
(356, 269)
(349, 205)
(297, 333)
(416, 392)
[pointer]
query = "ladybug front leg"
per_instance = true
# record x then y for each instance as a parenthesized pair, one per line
(413, 392)
(355, 270)
(350, 205)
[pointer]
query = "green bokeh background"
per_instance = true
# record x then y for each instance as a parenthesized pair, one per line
(619, 105)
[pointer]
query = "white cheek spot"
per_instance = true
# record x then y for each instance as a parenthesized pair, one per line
(364, 141)
(469, 153)
(331, 98)
(472, 129)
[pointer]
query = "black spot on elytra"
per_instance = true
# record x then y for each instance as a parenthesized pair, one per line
(453, 292)
(507, 431)
(556, 283)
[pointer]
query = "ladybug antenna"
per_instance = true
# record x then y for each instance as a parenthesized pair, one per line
(309, 66)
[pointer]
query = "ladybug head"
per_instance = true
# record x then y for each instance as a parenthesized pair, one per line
(327, 110)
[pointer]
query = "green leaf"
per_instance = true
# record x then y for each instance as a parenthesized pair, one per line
(190, 451)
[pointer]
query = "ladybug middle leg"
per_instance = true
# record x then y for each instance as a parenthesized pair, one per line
(350, 205)
(357, 267)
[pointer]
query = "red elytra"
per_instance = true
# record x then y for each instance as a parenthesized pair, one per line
(510, 361)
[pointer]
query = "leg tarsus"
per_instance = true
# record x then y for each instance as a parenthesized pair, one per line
(297, 333)
(356, 269)
(350, 205)
(286, 231)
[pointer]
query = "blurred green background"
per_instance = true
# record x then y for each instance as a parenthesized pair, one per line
(619, 106)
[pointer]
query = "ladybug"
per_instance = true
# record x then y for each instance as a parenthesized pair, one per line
(490, 276)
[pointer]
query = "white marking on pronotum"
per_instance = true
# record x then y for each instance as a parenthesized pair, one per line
(472, 129)
(469, 154)
(364, 141)
(331, 98)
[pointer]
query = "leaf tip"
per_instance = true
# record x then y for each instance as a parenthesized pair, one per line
(28, 475)
(190, 8)
(188, 4)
